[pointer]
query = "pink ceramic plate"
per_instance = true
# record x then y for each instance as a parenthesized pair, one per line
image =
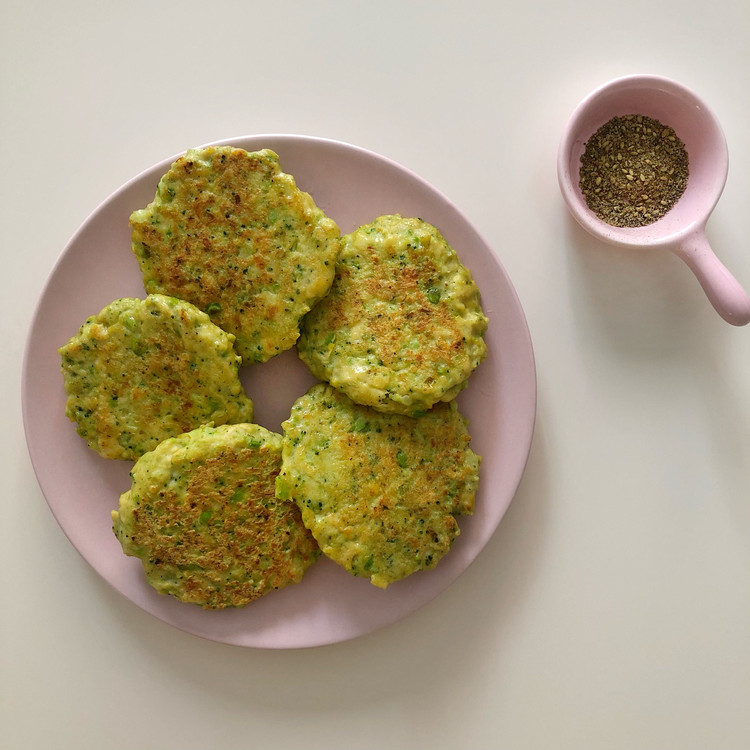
(353, 186)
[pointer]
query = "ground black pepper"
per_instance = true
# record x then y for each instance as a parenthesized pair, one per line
(633, 171)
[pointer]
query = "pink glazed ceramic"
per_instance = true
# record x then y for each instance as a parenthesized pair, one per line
(353, 186)
(682, 230)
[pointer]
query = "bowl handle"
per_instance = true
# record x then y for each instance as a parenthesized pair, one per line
(723, 291)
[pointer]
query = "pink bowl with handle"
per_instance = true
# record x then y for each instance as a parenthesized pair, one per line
(682, 230)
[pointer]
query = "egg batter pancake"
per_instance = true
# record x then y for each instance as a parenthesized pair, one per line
(233, 234)
(380, 492)
(402, 327)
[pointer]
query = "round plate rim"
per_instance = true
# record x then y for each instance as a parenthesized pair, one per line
(253, 142)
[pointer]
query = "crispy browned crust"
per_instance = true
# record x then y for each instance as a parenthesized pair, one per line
(218, 537)
(232, 234)
(144, 370)
(380, 492)
(414, 316)
(402, 326)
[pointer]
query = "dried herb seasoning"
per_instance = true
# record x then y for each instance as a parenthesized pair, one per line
(633, 171)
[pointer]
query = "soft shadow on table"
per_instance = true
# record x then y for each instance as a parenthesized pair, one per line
(648, 310)
(415, 659)
(638, 302)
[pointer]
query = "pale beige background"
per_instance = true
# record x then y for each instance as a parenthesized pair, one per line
(612, 607)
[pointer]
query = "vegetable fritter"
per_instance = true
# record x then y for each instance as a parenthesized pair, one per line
(380, 492)
(144, 370)
(402, 327)
(233, 234)
(203, 518)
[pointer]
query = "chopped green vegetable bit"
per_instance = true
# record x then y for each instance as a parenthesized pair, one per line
(213, 308)
(402, 459)
(360, 424)
(433, 295)
(282, 489)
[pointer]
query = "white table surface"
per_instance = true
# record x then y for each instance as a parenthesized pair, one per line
(612, 607)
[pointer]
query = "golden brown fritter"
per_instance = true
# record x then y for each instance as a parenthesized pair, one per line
(144, 370)
(234, 235)
(402, 327)
(203, 517)
(380, 492)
